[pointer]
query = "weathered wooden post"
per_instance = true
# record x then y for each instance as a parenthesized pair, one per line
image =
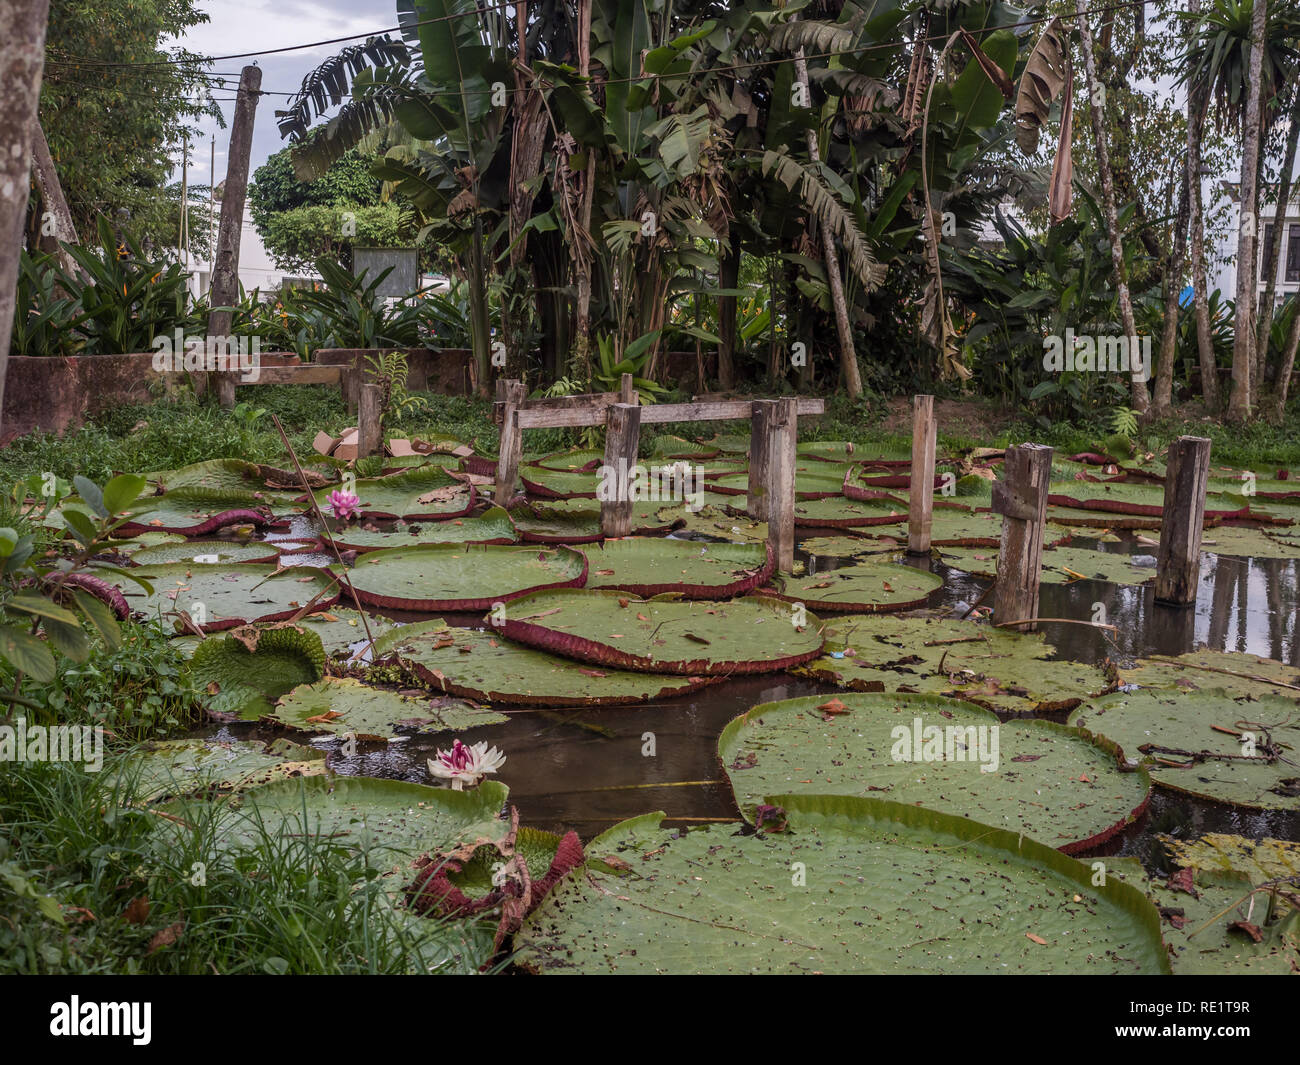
(622, 444)
(1178, 559)
(512, 445)
(370, 414)
(225, 266)
(1021, 498)
(920, 505)
(782, 436)
(760, 418)
(627, 392)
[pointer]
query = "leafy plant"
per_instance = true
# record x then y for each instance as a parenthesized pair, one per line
(388, 369)
(45, 314)
(353, 312)
(633, 359)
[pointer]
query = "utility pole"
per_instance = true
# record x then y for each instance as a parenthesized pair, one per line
(225, 269)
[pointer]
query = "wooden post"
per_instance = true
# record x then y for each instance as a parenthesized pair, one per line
(920, 505)
(782, 435)
(1178, 559)
(622, 444)
(225, 268)
(370, 413)
(512, 445)
(759, 419)
(627, 392)
(1021, 498)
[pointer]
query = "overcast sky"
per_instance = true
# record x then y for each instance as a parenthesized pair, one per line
(239, 26)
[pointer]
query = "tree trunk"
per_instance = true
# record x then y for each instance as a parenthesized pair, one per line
(1141, 399)
(1164, 393)
(57, 228)
(582, 255)
(728, 277)
(1272, 251)
(1197, 98)
(1283, 381)
(848, 354)
(22, 60)
(1243, 342)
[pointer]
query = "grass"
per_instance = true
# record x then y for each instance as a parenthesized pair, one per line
(93, 882)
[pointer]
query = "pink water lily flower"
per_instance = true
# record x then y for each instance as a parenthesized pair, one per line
(465, 765)
(344, 504)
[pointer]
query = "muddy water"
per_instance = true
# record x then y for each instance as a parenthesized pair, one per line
(587, 768)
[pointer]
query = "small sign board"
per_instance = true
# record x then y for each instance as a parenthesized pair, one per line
(405, 276)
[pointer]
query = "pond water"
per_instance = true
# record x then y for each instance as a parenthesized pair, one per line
(587, 768)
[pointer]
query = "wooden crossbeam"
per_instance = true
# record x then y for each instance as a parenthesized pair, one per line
(710, 411)
(306, 374)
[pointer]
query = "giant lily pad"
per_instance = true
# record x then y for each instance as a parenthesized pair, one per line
(342, 631)
(346, 706)
(456, 577)
(427, 492)
(873, 585)
(666, 634)
(175, 514)
(491, 527)
(1206, 743)
(483, 665)
(836, 512)
(1240, 674)
(994, 668)
(1055, 784)
(649, 566)
(558, 521)
(717, 524)
(244, 671)
(1062, 565)
(183, 767)
(856, 886)
(206, 552)
(395, 820)
(231, 595)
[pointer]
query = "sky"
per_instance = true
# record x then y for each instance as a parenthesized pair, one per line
(240, 26)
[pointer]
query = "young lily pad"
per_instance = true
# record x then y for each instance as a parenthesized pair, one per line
(484, 665)
(1240, 674)
(231, 595)
(1258, 860)
(491, 527)
(856, 885)
(207, 552)
(873, 585)
(427, 492)
(244, 672)
(184, 767)
(455, 577)
(344, 706)
(1054, 784)
(649, 566)
(1206, 743)
(666, 634)
(994, 668)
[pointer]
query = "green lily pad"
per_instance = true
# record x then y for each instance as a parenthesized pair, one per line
(461, 577)
(1240, 674)
(838, 512)
(230, 594)
(344, 706)
(873, 585)
(426, 492)
(844, 546)
(176, 514)
(994, 668)
(1257, 860)
(1180, 736)
(1052, 783)
(183, 767)
(750, 635)
(715, 523)
(559, 484)
(395, 820)
(1061, 565)
(245, 671)
(855, 886)
(491, 527)
(649, 566)
(206, 552)
(342, 632)
(1237, 541)
(484, 665)
(581, 458)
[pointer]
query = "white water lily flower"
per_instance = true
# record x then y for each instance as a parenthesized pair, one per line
(466, 765)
